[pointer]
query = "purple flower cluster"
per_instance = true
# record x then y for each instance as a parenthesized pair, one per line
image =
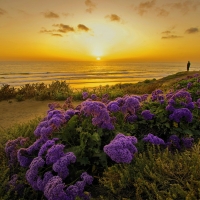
(187, 142)
(25, 155)
(99, 112)
(53, 121)
(55, 189)
(32, 172)
(122, 148)
(189, 85)
(157, 95)
(173, 142)
(60, 166)
(85, 95)
(113, 106)
(181, 113)
(179, 105)
(131, 118)
(131, 104)
(147, 115)
(51, 154)
(153, 139)
(11, 149)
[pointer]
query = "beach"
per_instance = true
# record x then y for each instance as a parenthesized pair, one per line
(13, 112)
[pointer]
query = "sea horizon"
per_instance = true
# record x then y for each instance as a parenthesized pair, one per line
(80, 74)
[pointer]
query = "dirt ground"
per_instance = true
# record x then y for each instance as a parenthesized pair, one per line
(13, 112)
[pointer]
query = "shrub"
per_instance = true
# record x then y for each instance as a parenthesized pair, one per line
(156, 174)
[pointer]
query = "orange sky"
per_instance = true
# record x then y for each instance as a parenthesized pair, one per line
(139, 30)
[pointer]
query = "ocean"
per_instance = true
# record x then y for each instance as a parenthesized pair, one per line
(86, 74)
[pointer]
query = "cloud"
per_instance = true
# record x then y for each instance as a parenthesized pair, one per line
(90, 6)
(44, 30)
(185, 6)
(64, 28)
(82, 27)
(171, 37)
(145, 6)
(192, 30)
(113, 17)
(56, 34)
(162, 12)
(170, 34)
(50, 14)
(2, 12)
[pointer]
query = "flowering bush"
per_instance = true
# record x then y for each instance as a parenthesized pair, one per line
(71, 143)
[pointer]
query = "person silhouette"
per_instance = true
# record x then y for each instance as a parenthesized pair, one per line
(188, 66)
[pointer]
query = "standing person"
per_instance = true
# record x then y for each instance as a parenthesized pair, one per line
(188, 66)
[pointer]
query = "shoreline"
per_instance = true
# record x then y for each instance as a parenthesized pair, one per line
(14, 112)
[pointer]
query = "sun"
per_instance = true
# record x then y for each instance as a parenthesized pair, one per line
(98, 58)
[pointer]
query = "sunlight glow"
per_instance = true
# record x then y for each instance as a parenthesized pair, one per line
(98, 58)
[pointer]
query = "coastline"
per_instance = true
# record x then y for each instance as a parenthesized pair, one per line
(14, 112)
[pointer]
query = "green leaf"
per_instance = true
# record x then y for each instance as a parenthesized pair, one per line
(83, 161)
(95, 137)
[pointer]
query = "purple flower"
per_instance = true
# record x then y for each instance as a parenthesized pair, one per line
(60, 166)
(99, 113)
(189, 85)
(85, 95)
(181, 113)
(170, 108)
(46, 146)
(121, 149)
(94, 97)
(42, 182)
(56, 121)
(144, 97)
(187, 142)
(132, 104)
(54, 153)
(190, 105)
(11, 148)
(70, 112)
(113, 106)
(32, 172)
(36, 145)
(153, 139)
(173, 142)
(147, 115)
(131, 118)
(87, 178)
(54, 189)
(24, 158)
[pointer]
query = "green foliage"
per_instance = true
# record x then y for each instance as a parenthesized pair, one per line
(156, 175)
(20, 97)
(86, 141)
(7, 92)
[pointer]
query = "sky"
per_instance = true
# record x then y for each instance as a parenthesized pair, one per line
(88, 30)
